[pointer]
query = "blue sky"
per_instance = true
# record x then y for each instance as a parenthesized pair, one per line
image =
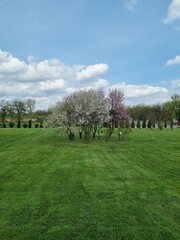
(49, 48)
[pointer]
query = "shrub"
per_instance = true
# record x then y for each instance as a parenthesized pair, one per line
(4, 125)
(144, 124)
(138, 124)
(30, 124)
(149, 124)
(133, 124)
(19, 124)
(36, 125)
(25, 125)
(11, 124)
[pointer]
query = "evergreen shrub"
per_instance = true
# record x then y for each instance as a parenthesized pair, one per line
(30, 124)
(11, 124)
(133, 124)
(138, 124)
(19, 124)
(149, 124)
(144, 124)
(25, 125)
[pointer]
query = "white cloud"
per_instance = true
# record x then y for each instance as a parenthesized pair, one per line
(130, 4)
(12, 69)
(176, 83)
(99, 83)
(52, 85)
(92, 71)
(136, 91)
(49, 80)
(45, 79)
(10, 65)
(174, 61)
(173, 12)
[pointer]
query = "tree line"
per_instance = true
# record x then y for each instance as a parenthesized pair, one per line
(88, 111)
(161, 115)
(15, 109)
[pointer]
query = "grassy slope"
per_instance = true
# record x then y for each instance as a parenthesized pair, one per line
(52, 189)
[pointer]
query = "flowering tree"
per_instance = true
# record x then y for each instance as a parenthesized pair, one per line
(87, 111)
(84, 110)
(117, 109)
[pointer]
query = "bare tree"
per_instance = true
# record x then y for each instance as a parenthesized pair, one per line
(30, 106)
(4, 110)
(19, 107)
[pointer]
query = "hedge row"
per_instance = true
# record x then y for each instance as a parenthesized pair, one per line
(19, 125)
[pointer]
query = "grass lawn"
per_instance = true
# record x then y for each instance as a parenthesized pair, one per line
(55, 189)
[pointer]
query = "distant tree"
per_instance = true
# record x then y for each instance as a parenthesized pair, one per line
(138, 124)
(133, 124)
(19, 123)
(117, 109)
(20, 107)
(30, 124)
(176, 106)
(144, 124)
(30, 106)
(158, 113)
(4, 110)
(165, 124)
(11, 111)
(140, 112)
(149, 124)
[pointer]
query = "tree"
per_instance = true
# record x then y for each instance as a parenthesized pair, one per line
(30, 106)
(149, 124)
(19, 123)
(133, 124)
(117, 110)
(158, 114)
(176, 106)
(138, 124)
(4, 110)
(19, 107)
(84, 110)
(144, 124)
(29, 123)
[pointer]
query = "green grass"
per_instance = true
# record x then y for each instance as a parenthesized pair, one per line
(55, 189)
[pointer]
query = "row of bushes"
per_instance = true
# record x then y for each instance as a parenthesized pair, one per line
(149, 124)
(24, 125)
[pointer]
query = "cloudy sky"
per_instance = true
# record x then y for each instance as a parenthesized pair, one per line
(49, 48)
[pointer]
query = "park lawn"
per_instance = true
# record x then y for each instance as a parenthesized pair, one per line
(52, 188)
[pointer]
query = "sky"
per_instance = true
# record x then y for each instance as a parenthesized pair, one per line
(51, 48)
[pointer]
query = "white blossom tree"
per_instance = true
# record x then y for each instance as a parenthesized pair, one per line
(84, 110)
